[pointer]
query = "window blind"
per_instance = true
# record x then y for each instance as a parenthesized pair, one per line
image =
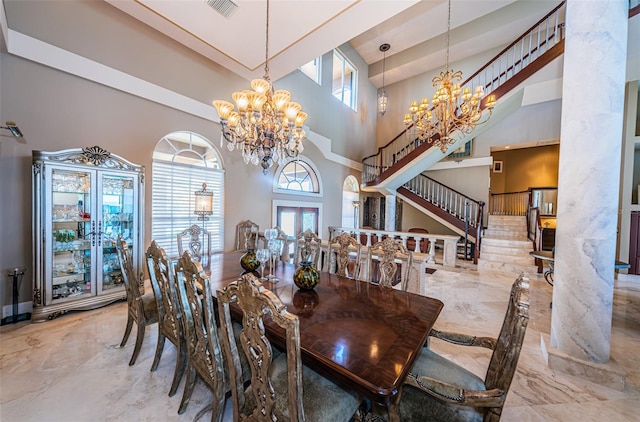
(173, 187)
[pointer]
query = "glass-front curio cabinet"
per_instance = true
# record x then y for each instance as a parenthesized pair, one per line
(82, 200)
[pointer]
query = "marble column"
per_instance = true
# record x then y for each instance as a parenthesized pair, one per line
(390, 213)
(589, 177)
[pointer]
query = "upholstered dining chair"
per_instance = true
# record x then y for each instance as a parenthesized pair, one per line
(246, 231)
(382, 264)
(282, 388)
(162, 277)
(307, 248)
(285, 253)
(204, 354)
(197, 241)
(141, 308)
(439, 390)
(341, 250)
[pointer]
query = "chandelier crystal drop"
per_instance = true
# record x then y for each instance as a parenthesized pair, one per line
(454, 110)
(267, 126)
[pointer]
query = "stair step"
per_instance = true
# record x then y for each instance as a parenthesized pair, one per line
(511, 259)
(505, 250)
(506, 267)
(507, 220)
(503, 231)
(508, 241)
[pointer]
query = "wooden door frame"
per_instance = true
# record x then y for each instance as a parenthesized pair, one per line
(297, 204)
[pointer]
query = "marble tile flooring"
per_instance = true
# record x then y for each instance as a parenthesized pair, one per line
(72, 368)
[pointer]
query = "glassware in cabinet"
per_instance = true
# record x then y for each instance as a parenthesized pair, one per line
(83, 198)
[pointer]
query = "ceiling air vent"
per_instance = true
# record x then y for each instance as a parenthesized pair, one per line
(225, 7)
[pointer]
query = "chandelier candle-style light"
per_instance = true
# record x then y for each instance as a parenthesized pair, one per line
(267, 126)
(454, 109)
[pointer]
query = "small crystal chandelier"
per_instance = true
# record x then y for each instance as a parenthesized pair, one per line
(451, 112)
(267, 127)
(382, 97)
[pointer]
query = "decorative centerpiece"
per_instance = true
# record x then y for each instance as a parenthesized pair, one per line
(249, 261)
(306, 276)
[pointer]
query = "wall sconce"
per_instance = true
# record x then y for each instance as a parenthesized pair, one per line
(13, 127)
(204, 204)
(382, 97)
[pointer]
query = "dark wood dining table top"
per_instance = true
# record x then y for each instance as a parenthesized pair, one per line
(358, 334)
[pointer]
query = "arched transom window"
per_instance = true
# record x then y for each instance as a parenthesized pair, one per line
(298, 176)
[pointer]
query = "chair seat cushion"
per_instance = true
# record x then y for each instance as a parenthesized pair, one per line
(150, 307)
(415, 405)
(322, 399)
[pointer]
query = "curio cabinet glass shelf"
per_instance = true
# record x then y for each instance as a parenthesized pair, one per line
(82, 200)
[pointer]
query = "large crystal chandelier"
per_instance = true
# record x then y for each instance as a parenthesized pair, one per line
(454, 109)
(267, 127)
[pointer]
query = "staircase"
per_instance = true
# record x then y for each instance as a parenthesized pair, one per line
(506, 247)
(407, 156)
(397, 167)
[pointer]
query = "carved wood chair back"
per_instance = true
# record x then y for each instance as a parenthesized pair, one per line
(247, 235)
(256, 301)
(307, 248)
(502, 366)
(197, 241)
(162, 277)
(382, 263)
(285, 253)
(344, 255)
(201, 334)
(279, 381)
(141, 308)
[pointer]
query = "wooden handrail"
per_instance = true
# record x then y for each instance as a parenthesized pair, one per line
(507, 48)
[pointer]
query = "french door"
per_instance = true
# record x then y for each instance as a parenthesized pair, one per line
(293, 220)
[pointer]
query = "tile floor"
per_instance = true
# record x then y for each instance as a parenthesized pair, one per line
(72, 368)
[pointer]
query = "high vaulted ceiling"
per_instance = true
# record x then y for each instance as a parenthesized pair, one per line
(301, 30)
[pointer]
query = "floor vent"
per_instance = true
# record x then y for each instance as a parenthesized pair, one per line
(225, 7)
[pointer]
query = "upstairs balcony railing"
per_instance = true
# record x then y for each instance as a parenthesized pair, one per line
(509, 203)
(493, 77)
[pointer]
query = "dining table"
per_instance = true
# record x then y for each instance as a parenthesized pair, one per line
(360, 335)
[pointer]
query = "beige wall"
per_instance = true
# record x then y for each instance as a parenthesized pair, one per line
(413, 217)
(524, 168)
(57, 110)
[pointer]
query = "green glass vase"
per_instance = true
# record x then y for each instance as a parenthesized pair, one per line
(306, 276)
(249, 262)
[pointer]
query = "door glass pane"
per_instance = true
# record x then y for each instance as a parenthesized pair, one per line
(288, 222)
(71, 251)
(309, 220)
(117, 218)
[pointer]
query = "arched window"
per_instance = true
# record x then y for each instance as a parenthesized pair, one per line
(298, 176)
(182, 162)
(350, 202)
